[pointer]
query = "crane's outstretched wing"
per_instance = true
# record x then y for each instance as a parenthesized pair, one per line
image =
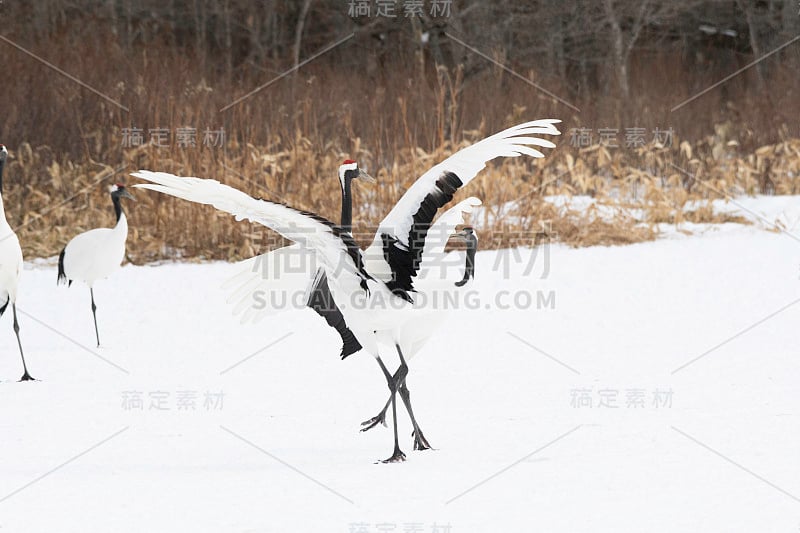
(396, 252)
(271, 282)
(336, 250)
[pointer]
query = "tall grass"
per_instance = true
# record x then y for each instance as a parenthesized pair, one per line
(286, 142)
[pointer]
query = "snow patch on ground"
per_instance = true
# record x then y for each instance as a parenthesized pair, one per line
(255, 428)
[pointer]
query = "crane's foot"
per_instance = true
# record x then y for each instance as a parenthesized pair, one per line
(397, 457)
(420, 442)
(374, 421)
(27, 377)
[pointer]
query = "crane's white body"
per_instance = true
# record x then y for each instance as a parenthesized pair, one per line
(97, 253)
(10, 260)
(10, 266)
(281, 279)
(411, 324)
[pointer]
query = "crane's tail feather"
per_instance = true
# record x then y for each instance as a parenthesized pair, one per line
(62, 276)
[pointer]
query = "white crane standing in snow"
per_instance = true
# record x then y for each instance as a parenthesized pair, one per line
(10, 265)
(383, 274)
(97, 253)
(287, 271)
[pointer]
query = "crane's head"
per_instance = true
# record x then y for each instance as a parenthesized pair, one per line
(3, 152)
(466, 231)
(349, 171)
(118, 190)
(468, 234)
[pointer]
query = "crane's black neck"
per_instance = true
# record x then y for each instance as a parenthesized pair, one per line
(2, 166)
(469, 271)
(346, 221)
(117, 205)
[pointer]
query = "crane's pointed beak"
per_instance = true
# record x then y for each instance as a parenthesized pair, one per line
(366, 177)
(126, 194)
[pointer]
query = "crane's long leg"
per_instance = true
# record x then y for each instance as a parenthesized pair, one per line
(26, 376)
(397, 383)
(94, 314)
(420, 442)
(397, 455)
(380, 418)
(393, 382)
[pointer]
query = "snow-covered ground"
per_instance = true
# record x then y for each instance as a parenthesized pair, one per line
(186, 420)
(769, 212)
